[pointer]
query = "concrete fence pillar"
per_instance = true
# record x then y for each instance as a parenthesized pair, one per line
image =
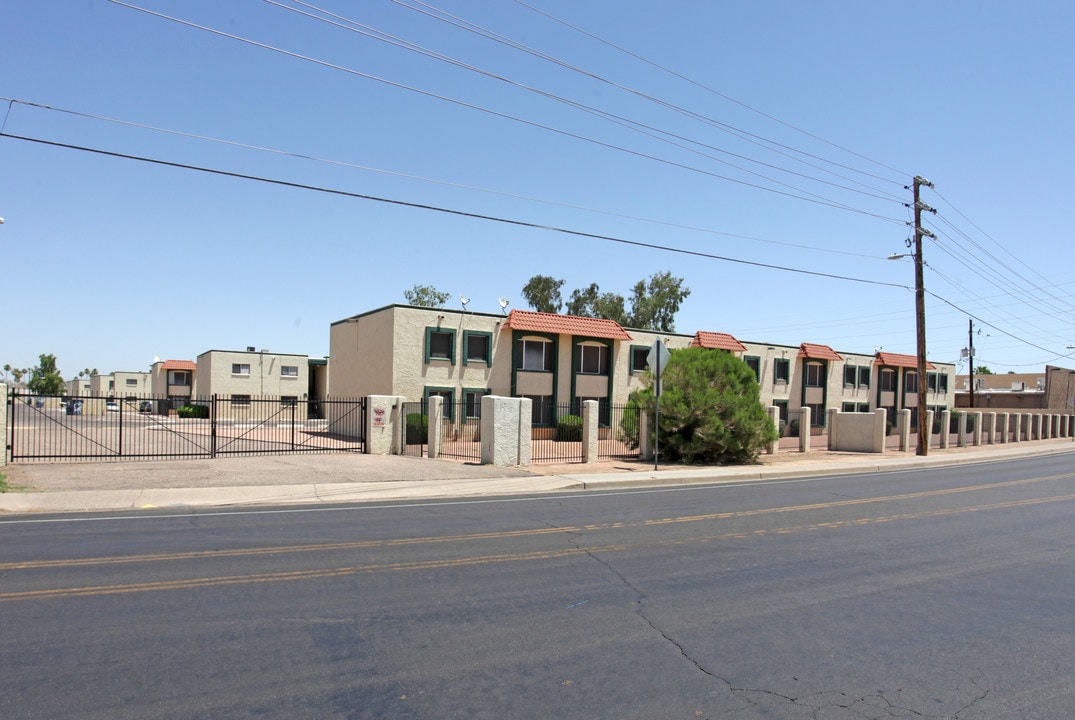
(976, 438)
(506, 431)
(435, 429)
(645, 443)
(961, 420)
(1002, 426)
(3, 424)
(1017, 427)
(946, 427)
(927, 428)
(991, 428)
(903, 421)
(384, 424)
(804, 430)
(590, 423)
(774, 418)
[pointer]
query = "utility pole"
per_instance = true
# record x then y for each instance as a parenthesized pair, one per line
(920, 312)
(970, 356)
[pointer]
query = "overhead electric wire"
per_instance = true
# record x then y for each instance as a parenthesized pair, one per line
(725, 97)
(496, 113)
(449, 211)
(408, 176)
(765, 143)
(507, 221)
(686, 143)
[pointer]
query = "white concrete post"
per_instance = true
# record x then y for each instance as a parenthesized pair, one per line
(774, 418)
(590, 422)
(1035, 426)
(1003, 426)
(903, 420)
(831, 429)
(506, 431)
(962, 420)
(3, 424)
(977, 437)
(435, 429)
(384, 424)
(1017, 427)
(928, 428)
(990, 428)
(804, 430)
(645, 449)
(946, 428)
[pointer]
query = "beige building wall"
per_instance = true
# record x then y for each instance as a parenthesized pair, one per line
(132, 383)
(257, 374)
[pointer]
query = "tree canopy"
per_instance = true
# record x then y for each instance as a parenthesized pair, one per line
(653, 305)
(542, 293)
(45, 379)
(426, 296)
(711, 409)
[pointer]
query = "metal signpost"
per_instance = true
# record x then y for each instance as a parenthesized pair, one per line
(657, 358)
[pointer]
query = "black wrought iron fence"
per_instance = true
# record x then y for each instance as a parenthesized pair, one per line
(99, 428)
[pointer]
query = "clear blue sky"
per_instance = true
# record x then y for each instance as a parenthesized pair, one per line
(776, 133)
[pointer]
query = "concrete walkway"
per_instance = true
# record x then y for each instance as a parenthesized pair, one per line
(344, 478)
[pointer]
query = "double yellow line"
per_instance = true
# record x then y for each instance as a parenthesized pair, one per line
(196, 583)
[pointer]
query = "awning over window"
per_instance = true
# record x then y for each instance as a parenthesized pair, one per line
(717, 341)
(566, 325)
(818, 352)
(179, 365)
(903, 361)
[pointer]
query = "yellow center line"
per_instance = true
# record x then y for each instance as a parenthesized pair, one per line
(441, 563)
(499, 535)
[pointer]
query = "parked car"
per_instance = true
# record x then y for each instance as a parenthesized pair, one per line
(111, 406)
(145, 406)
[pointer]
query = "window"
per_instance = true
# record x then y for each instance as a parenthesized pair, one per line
(240, 401)
(850, 375)
(289, 371)
(864, 407)
(931, 382)
(942, 383)
(131, 382)
(592, 359)
(476, 347)
(781, 370)
(440, 345)
(535, 355)
(815, 375)
(910, 382)
(472, 399)
(639, 355)
(817, 414)
(179, 377)
(541, 410)
(782, 407)
(289, 400)
(864, 377)
(240, 369)
(754, 363)
(888, 380)
(849, 407)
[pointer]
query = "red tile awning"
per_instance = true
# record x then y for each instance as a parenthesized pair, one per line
(899, 360)
(818, 352)
(717, 341)
(179, 365)
(566, 325)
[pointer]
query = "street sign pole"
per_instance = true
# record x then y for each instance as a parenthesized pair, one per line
(658, 356)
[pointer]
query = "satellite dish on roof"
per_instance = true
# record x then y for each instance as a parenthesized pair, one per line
(503, 304)
(464, 299)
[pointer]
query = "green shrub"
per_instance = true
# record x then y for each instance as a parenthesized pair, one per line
(193, 411)
(417, 428)
(793, 428)
(569, 428)
(630, 425)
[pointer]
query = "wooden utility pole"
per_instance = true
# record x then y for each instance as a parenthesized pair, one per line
(970, 356)
(920, 312)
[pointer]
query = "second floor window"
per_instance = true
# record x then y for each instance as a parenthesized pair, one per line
(815, 375)
(593, 359)
(240, 369)
(289, 371)
(179, 377)
(781, 370)
(535, 355)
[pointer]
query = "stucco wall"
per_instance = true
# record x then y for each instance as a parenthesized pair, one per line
(215, 375)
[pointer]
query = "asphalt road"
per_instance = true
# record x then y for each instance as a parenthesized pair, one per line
(944, 593)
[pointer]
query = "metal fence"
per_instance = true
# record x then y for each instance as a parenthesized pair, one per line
(101, 428)
(556, 432)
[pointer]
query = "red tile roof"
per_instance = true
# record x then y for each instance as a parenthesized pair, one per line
(818, 352)
(566, 325)
(179, 365)
(717, 341)
(898, 360)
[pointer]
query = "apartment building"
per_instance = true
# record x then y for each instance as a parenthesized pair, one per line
(560, 360)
